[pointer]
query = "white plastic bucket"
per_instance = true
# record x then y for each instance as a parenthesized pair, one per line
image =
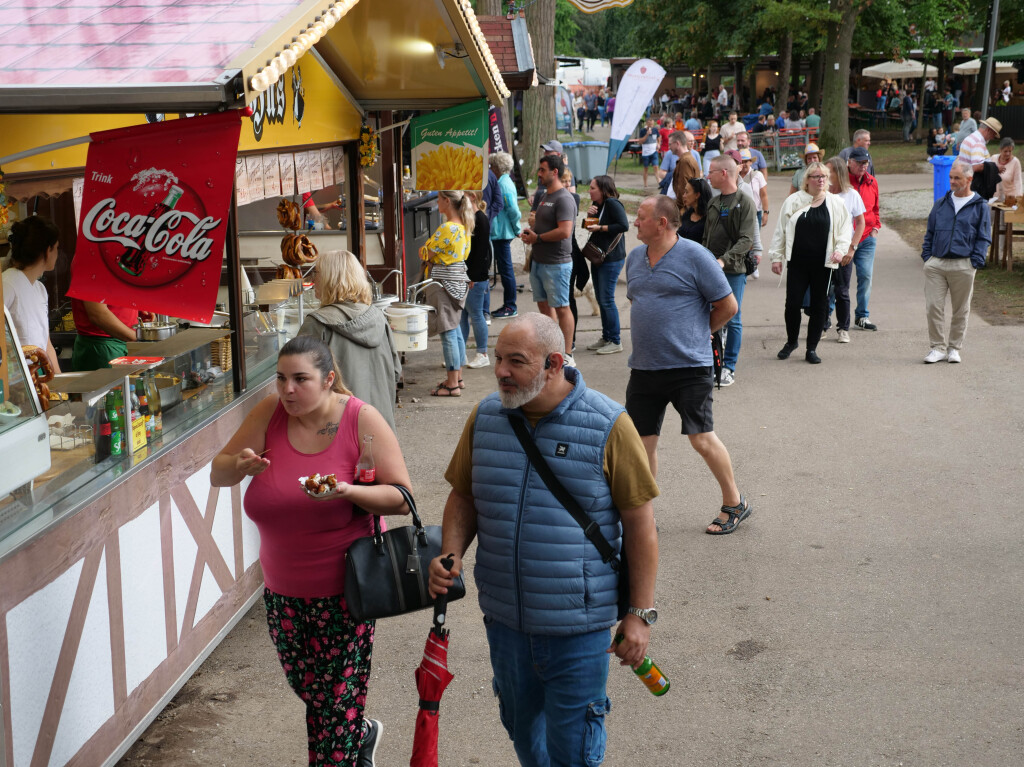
(408, 318)
(408, 325)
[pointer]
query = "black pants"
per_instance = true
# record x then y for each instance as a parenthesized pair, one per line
(591, 119)
(806, 271)
(841, 286)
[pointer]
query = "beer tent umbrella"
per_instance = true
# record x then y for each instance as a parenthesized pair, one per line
(432, 677)
(973, 67)
(899, 70)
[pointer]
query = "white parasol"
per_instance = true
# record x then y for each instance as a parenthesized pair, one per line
(899, 69)
(973, 67)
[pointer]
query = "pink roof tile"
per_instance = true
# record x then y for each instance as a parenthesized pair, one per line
(9, 54)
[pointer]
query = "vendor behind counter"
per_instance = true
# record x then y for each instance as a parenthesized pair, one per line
(33, 252)
(103, 333)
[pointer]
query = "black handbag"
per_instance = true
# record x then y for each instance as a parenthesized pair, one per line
(590, 528)
(387, 573)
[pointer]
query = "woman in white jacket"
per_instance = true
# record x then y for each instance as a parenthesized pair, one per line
(812, 236)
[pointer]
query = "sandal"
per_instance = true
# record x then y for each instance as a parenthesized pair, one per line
(452, 391)
(461, 384)
(736, 515)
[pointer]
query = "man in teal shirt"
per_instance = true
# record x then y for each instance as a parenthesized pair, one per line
(812, 120)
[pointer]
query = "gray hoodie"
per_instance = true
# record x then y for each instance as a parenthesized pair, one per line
(360, 340)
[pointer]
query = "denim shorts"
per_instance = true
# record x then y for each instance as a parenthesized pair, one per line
(650, 159)
(550, 283)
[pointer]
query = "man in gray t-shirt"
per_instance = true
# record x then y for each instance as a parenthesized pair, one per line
(679, 296)
(550, 236)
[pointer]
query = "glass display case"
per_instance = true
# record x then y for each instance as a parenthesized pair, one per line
(104, 423)
(24, 453)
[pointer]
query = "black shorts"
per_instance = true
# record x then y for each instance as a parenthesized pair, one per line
(688, 389)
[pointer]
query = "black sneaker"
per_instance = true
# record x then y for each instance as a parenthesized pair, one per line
(786, 350)
(504, 312)
(372, 730)
(865, 324)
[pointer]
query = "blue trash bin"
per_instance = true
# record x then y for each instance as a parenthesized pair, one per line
(941, 165)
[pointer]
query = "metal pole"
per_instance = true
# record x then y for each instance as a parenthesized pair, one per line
(989, 59)
(235, 307)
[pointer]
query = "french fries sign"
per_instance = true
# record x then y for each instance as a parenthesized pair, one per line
(449, 149)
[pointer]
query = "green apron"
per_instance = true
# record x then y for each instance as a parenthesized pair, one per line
(94, 352)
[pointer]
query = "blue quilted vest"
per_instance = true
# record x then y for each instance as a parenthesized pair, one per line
(535, 570)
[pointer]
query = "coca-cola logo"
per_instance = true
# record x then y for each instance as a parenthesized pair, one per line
(152, 231)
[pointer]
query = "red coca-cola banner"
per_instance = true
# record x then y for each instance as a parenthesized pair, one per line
(154, 215)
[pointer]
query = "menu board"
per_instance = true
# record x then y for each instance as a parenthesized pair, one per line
(254, 166)
(316, 176)
(339, 166)
(271, 176)
(302, 172)
(241, 182)
(327, 166)
(287, 163)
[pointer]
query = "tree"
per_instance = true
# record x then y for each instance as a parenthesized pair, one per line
(566, 29)
(539, 101)
(835, 112)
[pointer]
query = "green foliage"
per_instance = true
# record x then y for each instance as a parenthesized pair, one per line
(566, 29)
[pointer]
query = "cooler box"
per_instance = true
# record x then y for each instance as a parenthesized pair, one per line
(941, 165)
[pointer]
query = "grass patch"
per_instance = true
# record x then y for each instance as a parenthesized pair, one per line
(998, 294)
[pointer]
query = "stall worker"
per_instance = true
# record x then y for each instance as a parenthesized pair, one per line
(103, 333)
(33, 244)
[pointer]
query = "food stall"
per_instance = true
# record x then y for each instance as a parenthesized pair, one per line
(123, 570)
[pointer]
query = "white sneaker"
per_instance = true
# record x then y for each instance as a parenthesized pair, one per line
(936, 356)
(756, 274)
(610, 348)
(479, 361)
(953, 356)
(595, 346)
(728, 377)
(569, 361)
(844, 337)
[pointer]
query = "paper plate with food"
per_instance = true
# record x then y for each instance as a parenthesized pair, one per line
(319, 485)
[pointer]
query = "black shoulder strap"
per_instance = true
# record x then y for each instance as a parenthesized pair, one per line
(590, 528)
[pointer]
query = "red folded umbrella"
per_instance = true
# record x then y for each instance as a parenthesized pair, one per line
(432, 677)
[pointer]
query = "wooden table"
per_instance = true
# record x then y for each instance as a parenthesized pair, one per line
(1002, 229)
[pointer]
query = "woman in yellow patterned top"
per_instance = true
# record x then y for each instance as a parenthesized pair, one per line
(445, 253)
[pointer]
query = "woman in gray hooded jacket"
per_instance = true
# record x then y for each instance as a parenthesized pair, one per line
(357, 332)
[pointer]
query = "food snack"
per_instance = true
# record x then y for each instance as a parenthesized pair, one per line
(449, 167)
(298, 249)
(41, 371)
(285, 272)
(289, 215)
(319, 485)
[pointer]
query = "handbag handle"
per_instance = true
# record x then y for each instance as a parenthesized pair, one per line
(378, 535)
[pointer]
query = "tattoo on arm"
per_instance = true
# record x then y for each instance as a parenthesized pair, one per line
(330, 429)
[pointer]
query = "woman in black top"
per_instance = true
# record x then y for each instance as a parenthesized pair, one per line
(478, 269)
(611, 223)
(696, 198)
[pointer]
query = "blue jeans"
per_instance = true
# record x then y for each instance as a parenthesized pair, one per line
(551, 694)
(734, 327)
(503, 262)
(453, 346)
(606, 276)
(476, 302)
(864, 263)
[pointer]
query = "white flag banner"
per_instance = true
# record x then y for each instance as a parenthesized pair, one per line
(636, 89)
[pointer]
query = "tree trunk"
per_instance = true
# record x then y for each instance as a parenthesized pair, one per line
(753, 100)
(923, 121)
(538, 102)
(814, 84)
(785, 67)
(835, 117)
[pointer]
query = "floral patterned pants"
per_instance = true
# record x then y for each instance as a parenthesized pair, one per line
(326, 658)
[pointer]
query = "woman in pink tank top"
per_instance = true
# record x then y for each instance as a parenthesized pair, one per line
(315, 425)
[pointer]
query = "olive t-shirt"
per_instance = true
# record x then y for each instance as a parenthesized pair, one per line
(553, 208)
(625, 463)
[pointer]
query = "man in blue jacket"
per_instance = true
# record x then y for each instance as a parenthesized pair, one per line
(955, 244)
(547, 596)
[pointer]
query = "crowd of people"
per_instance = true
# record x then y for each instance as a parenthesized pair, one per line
(700, 242)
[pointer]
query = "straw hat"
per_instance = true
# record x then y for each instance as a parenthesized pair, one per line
(993, 125)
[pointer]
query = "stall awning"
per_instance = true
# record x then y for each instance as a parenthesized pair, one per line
(103, 56)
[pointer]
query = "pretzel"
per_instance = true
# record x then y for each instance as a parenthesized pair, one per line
(39, 362)
(44, 396)
(285, 272)
(289, 215)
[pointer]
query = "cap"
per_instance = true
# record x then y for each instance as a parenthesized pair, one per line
(733, 154)
(552, 146)
(811, 148)
(860, 154)
(993, 124)
(746, 155)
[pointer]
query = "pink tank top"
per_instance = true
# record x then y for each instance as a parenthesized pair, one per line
(303, 542)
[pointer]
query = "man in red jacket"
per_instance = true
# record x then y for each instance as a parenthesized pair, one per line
(864, 256)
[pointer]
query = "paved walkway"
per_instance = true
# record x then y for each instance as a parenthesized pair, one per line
(868, 613)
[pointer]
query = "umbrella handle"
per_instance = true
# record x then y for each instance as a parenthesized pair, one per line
(441, 602)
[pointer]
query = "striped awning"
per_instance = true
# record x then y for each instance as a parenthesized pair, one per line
(593, 6)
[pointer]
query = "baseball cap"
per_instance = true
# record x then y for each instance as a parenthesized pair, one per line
(746, 155)
(733, 154)
(811, 148)
(552, 146)
(860, 154)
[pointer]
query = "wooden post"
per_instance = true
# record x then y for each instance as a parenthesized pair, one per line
(355, 210)
(390, 165)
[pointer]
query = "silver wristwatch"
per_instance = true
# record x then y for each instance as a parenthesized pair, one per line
(647, 614)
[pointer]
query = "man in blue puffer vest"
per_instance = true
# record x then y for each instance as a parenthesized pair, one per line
(547, 596)
(954, 248)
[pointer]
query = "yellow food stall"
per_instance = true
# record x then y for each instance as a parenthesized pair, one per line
(121, 571)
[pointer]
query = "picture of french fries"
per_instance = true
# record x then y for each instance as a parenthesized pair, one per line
(450, 167)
